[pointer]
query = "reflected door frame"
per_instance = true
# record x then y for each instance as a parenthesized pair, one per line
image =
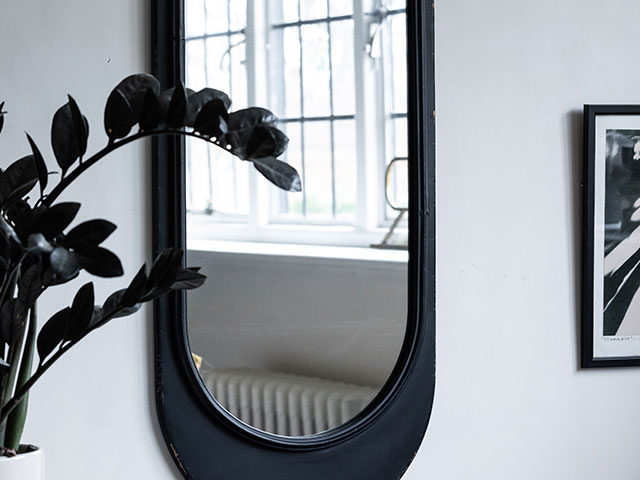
(379, 444)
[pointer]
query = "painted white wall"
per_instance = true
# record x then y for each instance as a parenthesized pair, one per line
(94, 411)
(512, 76)
(510, 401)
(338, 319)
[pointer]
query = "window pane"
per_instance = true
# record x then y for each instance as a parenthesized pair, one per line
(343, 68)
(312, 9)
(217, 65)
(346, 169)
(340, 7)
(399, 62)
(238, 14)
(284, 11)
(292, 203)
(315, 69)
(284, 59)
(194, 17)
(396, 4)
(195, 71)
(230, 180)
(237, 57)
(217, 16)
(401, 140)
(198, 188)
(317, 159)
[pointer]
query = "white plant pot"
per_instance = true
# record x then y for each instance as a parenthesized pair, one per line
(26, 466)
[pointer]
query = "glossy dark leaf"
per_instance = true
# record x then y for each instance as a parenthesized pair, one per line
(155, 293)
(53, 333)
(41, 166)
(164, 269)
(80, 126)
(18, 194)
(2, 114)
(64, 264)
(96, 317)
(99, 261)
(205, 96)
(250, 117)
(211, 120)
(30, 286)
(266, 141)
(187, 279)
(151, 114)
(65, 138)
(37, 244)
(81, 312)
(281, 174)
(92, 232)
(19, 173)
(6, 322)
(177, 113)
(118, 116)
(56, 218)
(136, 289)
(133, 89)
(114, 307)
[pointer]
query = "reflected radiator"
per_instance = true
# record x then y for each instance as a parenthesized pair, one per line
(286, 404)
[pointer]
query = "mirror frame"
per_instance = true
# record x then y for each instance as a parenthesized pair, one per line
(204, 440)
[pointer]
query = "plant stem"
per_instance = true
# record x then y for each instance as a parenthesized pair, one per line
(8, 390)
(17, 419)
(68, 179)
(20, 393)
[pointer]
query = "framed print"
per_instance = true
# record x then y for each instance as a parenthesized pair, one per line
(611, 242)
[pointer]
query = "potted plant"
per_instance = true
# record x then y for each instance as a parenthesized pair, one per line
(40, 249)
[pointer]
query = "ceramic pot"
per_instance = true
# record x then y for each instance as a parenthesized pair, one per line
(25, 466)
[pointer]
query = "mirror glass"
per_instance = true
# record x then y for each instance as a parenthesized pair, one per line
(303, 315)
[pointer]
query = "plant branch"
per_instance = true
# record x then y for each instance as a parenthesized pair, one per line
(111, 146)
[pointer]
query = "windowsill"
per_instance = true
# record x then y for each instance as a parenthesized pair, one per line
(304, 251)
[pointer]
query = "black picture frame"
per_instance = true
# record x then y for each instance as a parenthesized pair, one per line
(379, 444)
(601, 347)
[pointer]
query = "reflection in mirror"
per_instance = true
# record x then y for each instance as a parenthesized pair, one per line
(301, 321)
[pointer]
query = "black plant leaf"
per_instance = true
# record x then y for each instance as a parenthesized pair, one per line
(136, 289)
(250, 117)
(67, 135)
(2, 114)
(279, 173)
(37, 244)
(151, 115)
(6, 322)
(205, 96)
(80, 126)
(55, 219)
(41, 166)
(187, 279)
(266, 141)
(165, 268)
(92, 232)
(99, 261)
(64, 264)
(53, 332)
(81, 312)
(177, 113)
(212, 119)
(118, 116)
(30, 286)
(20, 173)
(114, 308)
(134, 88)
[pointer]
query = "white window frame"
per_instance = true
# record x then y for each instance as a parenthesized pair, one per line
(263, 223)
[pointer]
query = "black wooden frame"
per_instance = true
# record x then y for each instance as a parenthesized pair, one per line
(204, 440)
(591, 112)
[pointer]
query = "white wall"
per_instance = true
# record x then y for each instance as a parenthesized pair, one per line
(338, 319)
(512, 76)
(510, 401)
(94, 411)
